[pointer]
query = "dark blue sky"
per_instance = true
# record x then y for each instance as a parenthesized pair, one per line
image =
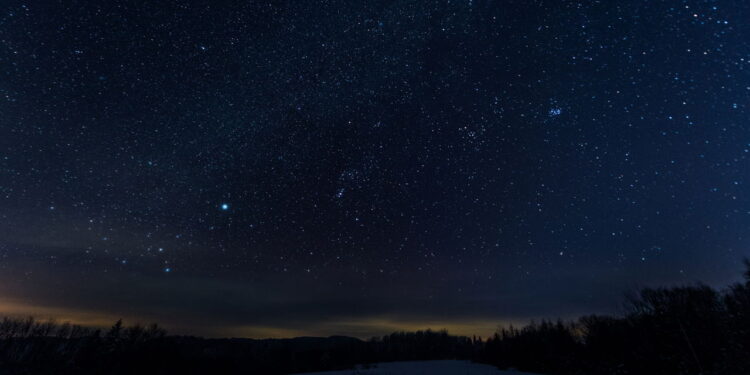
(317, 167)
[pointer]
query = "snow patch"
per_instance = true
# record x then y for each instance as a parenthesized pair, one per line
(424, 368)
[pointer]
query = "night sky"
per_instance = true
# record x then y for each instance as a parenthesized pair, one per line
(284, 168)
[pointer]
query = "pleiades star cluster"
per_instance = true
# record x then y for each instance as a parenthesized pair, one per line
(282, 168)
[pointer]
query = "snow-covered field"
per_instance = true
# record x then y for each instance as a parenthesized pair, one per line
(425, 368)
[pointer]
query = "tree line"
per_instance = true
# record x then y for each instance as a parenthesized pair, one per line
(678, 330)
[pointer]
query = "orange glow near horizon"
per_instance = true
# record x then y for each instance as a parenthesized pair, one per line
(88, 318)
(362, 328)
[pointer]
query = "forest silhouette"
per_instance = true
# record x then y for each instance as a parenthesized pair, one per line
(676, 330)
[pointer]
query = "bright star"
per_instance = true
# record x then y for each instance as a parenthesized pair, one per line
(225, 206)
